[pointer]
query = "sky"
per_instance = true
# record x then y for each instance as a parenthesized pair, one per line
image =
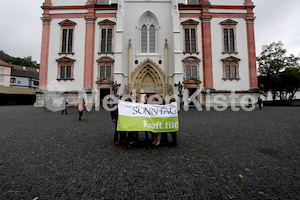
(21, 26)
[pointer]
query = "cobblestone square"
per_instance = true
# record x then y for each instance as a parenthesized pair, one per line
(219, 155)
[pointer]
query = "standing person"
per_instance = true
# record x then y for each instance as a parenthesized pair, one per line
(146, 132)
(249, 103)
(156, 136)
(260, 102)
(114, 117)
(80, 107)
(173, 134)
(65, 105)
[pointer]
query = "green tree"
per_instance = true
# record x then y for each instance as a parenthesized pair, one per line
(271, 62)
(289, 84)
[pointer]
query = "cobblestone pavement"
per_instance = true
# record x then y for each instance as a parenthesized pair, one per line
(220, 155)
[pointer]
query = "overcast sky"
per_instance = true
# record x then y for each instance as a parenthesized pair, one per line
(21, 27)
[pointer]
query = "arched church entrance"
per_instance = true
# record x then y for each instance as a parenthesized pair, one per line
(148, 78)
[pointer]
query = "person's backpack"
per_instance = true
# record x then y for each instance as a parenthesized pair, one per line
(80, 106)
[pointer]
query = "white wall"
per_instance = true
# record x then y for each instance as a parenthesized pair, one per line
(242, 49)
(68, 2)
(228, 2)
(21, 82)
(79, 50)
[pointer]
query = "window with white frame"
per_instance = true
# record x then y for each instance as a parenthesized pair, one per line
(65, 69)
(191, 66)
(1, 78)
(229, 36)
(190, 36)
(148, 32)
(231, 68)
(106, 36)
(67, 37)
(105, 68)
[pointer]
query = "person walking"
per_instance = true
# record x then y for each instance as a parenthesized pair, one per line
(65, 105)
(80, 107)
(259, 102)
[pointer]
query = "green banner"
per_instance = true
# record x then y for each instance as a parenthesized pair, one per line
(155, 125)
(147, 117)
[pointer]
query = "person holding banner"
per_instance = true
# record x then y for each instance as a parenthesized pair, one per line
(148, 117)
(114, 117)
(156, 136)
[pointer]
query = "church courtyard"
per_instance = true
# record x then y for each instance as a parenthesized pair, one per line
(219, 155)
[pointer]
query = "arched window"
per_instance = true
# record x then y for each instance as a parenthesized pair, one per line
(148, 33)
(144, 39)
(152, 39)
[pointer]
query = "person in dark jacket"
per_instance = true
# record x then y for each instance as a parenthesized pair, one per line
(114, 117)
(259, 102)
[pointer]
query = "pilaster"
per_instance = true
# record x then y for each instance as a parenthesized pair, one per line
(45, 52)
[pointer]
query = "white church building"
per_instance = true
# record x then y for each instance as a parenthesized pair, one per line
(149, 45)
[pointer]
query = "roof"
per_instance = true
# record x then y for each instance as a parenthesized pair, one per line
(13, 90)
(3, 63)
(22, 73)
(18, 67)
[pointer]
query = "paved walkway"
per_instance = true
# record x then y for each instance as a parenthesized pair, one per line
(220, 155)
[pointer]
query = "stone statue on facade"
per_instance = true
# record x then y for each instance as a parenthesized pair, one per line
(115, 88)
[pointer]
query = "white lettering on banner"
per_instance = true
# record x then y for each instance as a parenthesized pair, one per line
(147, 110)
(156, 125)
(170, 124)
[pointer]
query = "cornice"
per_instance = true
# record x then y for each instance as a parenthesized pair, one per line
(65, 60)
(231, 59)
(67, 22)
(106, 22)
(228, 22)
(190, 22)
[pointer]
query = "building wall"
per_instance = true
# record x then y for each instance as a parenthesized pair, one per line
(227, 2)
(169, 18)
(5, 73)
(68, 2)
(79, 50)
(21, 82)
(217, 55)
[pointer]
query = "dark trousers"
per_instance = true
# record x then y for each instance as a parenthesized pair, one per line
(80, 115)
(174, 138)
(116, 135)
(65, 110)
(133, 136)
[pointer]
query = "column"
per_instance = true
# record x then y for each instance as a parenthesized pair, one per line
(43, 77)
(207, 52)
(251, 52)
(129, 64)
(47, 3)
(166, 66)
(91, 2)
(89, 46)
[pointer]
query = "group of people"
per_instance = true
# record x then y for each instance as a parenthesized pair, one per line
(259, 102)
(131, 138)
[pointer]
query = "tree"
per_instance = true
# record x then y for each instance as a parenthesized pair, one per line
(271, 63)
(289, 84)
(27, 61)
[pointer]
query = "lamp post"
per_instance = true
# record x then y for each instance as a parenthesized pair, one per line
(180, 86)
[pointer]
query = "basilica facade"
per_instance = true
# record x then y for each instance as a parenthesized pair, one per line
(150, 46)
